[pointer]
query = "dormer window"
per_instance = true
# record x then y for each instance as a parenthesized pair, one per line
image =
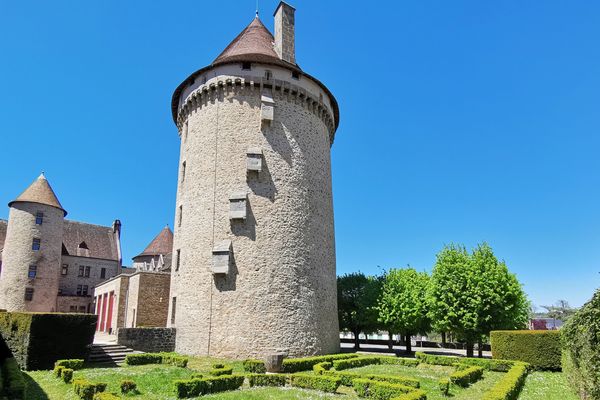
(246, 66)
(83, 250)
(39, 218)
(296, 75)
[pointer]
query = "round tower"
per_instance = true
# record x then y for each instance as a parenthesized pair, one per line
(32, 250)
(254, 251)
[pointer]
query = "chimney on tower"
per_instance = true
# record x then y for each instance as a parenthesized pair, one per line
(284, 32)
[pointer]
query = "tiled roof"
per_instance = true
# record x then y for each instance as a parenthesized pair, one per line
(254, 43)
(161, 244)
(40, 192)
(96, 241)
(3, 225)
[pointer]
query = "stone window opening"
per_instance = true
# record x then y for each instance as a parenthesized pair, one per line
(246, 66)
(84, 290)
(103, 273)
(36, 244)
(177, 262)
(81, 271)
(173, 308)
(183, 165)
(268, 75)
(32, 273)
(28, 294)
(87, 272)
(39, 218)
(65, 269)
(180, 216)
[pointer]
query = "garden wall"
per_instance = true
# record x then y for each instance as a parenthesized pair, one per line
(150, 340)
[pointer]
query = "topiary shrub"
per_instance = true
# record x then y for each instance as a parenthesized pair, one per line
(86, 389)
(128, 386)
(266, 379)
(464, 377)
(200, 387)
(156, 358)
(328, 384)
(357, 362)
(444, 386)
(581, 345)
(106, 396)
(37, 340)
(58, 370)
(322, 367)
(291, 365)
(379, 390)
(541, 349)
(254, 366)
(223, 370)
(509, 387)
(348, 377)
(73, 364)
(67, 375)
(452, 361)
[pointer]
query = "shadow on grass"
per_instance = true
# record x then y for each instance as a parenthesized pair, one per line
(33, 391)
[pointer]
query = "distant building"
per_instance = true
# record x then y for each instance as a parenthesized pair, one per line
(140, 295)
(545, 324)
(49, 263)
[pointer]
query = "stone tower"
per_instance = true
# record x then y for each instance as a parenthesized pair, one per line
(29, 280)
(254, 251)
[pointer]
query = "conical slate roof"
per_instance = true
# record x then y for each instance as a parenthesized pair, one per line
(254, 43)
(161, 244)
(39, 192)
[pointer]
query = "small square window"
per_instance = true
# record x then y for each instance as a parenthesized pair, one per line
(32, 271)
(36, 244)
(87, 272)
(103, 273)
(28, 294)
(39, 218)
(65, 269)
(246, 66)
(81, 271)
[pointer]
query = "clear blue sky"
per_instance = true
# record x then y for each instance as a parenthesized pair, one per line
(461, 121)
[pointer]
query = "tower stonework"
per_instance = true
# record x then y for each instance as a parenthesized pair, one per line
(29, 280)
(253, 250)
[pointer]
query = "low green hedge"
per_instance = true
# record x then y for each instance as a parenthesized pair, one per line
(321, 383)
(106, 396)
(73, 363)
(67, 375)
(291, 365)
(348, 377)
(156, 358)
(203, 386)
(444, 386)
(254, 366)
(414, 395)
(407, 362)
(451, 361)
(541, 349)
(128, 386)
(379, 390)
(266, 379)
(436, 360)
(464, 377)
(509, 387)
(14, 381)
(86, 389)
(221, 371)
(340, 365)
(320, 368)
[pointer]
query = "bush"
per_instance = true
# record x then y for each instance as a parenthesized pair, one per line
(444, 386)
(58, 370)
(348, 377)
(73, 364)
(581, 344)
(67, 375)
(509, 387)
(14, 382)
(379, 390)
(266, 379)
(86, 389)
(106, 396)
(291, 365)
(414, 395)
(322, 367)
(408, 362)
(37, 340)
(541, 349)
(128, 386)
(200, 387)
(174, 359)
(451, 361)
(437, 360)
(322, 383)
(340, 365)
(156, 358)
(221, 371)
(465, 377)
(255, 366)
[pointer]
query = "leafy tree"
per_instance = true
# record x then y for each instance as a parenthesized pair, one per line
(561, 310)
(472, 294)
(357, 304)
(402, 305)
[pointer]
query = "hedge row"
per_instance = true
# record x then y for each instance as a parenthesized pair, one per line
(156, 358)
(220, 369)
(86, 390)
(320, 368)
(14, 381)
(509, 387)
(464, 377)
(291, 365)
(106, 396)
(355, 363)
(379, 390)
(73, 363)
(415, 395)
(328, 384)
(203, 386)
(541, 349)
(266, 379)
(348, 377)
(451, 361)
(254, 366)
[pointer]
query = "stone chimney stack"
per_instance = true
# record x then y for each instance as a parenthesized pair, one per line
(284, 32)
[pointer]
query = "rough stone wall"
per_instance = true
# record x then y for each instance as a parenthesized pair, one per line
(153, 299)
(64, 304)
(18, 256)
(68, 283)
(280, 294)
(150, 340)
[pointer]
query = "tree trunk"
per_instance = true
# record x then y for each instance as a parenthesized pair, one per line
(390, 341)
(470, 346)
(444, 339)
(480, 349)
(408, 344)
(356, 340)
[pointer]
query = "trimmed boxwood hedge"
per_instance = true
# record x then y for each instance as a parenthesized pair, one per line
(452, 361)
(14, 381)
(86, 389)
(254, 366)
(291, 365)
(464, 377)
(509, 387)
(73, 364)
(156, 358)
(37, 340)
(415, 395)
(379, 390)
(322, 383)
(348, 377)
(106, 396)
(541, 349)
(200, 387)
(266, 379)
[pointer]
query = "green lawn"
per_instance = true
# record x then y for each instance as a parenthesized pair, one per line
(155, 383)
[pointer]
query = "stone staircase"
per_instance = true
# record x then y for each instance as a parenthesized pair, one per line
(107, 354)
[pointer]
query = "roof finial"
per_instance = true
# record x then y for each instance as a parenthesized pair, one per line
(256, 9)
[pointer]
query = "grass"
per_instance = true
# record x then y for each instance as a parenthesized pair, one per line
(155, 383)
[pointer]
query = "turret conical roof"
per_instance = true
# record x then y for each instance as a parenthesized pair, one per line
(39, 192)
(161, 244)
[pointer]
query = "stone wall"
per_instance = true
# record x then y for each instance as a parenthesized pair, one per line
(150, 340)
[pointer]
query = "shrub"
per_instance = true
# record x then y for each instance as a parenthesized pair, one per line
(322, 367)
(200, 387)
(348, 377)
(291, 365)
(67, 375)
(437, 360)
(451, 361)
(218, 366)
(322, 383)
(190, 388)
(197, 376)
(255, 366)
(13, 378)
(221, 371)
(465, 377)
(58, 370)
(581, 344)
(509, 387)
(444, 386)
(379, 390)
(128, 386)
(414, 395)
(174, 359)
(73, 364)
(541, 349)
(37, 340)
(408, 362)
(340, 365)
(156, 358)
(86, 389)
(106, 396)
(266, 379)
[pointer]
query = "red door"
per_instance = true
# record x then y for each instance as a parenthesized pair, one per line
(111, 297)
(103, 322)
(98, 313)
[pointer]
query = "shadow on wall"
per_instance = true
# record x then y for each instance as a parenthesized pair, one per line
(261, 183)
(247, 227)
